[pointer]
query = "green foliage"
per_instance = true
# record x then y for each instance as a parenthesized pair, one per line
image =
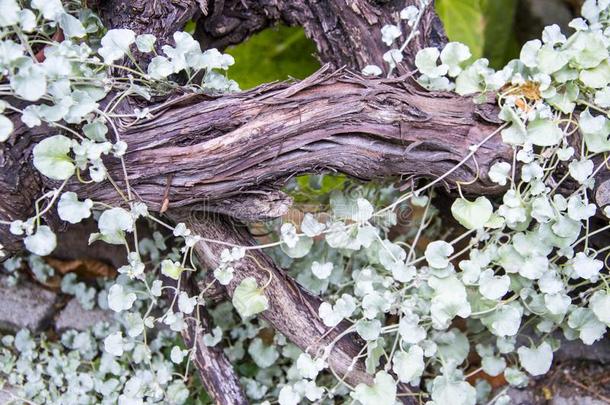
(316, 188)
(273, 54)
(486, 26)
(500, 41)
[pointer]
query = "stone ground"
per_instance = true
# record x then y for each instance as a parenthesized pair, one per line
(25, 306)
(28, 305)
(572, 382)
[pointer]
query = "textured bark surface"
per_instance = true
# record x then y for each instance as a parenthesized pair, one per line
(210, 154)
(217, 374)
(19, 181)
(209, 150)
(346, 32)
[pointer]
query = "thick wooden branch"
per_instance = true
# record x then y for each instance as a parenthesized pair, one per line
(346, 32)
(205, 150)
(199, 152)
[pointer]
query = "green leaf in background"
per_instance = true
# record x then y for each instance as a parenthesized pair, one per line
(486, 26)
(464, 22)
(501, 44)
(273, 54)
(316, 188)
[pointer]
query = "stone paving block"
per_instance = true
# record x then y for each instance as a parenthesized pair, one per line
(25, 305)
(74, 316)
(577, 350)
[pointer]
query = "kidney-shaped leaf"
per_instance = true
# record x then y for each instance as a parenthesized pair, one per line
(472, 214)
(51, 157)
(249, 299)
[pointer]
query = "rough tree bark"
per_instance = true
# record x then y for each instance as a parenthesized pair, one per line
(221, 154)
(211, 150)
(346, 32)
(198, 152)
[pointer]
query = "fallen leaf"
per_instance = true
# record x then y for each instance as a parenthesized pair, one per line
(495, 382)
(87, 268)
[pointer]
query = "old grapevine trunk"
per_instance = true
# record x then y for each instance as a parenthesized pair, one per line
(197, 151)
(211, 150)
